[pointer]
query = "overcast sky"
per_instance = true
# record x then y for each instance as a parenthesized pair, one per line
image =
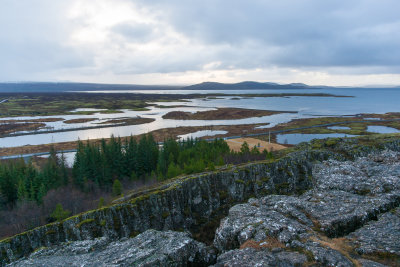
(333, 42)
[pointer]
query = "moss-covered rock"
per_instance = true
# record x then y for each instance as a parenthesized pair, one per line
(190, 200)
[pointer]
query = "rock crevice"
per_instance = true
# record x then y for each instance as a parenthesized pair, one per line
(330, 203)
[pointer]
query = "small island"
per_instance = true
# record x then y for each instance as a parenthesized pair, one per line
(221, 114)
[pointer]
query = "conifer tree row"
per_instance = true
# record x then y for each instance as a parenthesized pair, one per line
(99, 165)
(21, 181)
(117, 159)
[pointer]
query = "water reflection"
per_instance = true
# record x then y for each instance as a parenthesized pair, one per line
(382, 129)
(295, 139)
(199, 134)
(366, 100)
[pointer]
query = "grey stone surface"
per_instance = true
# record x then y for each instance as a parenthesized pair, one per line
(151, 248)
(373, 174)
(250, 257)
(343, 203)
(182, 203)
(348, 213)
(382, 235)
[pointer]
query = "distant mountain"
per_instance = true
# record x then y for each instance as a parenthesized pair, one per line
(248, 85)
(25, 87)
(19, 87)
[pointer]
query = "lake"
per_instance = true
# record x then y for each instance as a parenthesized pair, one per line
(364, 100)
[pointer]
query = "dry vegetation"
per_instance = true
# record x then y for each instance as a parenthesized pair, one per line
(10, 128)
(220, 114)
(235, 144)
(270, 242)
(80, 120)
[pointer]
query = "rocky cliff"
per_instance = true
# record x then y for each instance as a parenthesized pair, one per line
(330, 203)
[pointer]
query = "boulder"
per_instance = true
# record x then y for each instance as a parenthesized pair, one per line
(151, 248)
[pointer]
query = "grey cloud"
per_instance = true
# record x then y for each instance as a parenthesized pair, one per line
(303, 33)
(359, 36)
(135, 32)
(33, 37)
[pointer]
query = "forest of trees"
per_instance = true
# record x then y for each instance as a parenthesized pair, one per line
(31, 195)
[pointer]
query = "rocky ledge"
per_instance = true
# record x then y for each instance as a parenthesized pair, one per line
(151, 248)
(329, 203)
(350, 218)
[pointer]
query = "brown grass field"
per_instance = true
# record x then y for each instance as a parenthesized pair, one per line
(235, 144)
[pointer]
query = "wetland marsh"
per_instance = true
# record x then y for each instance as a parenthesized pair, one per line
(44, 118)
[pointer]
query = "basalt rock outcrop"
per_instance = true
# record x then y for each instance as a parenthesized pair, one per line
(151, 248)
(351, 217)
(327, 203)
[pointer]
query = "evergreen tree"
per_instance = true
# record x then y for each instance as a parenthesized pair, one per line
(8, 186)
(41, 193)
(255, 151)
(244, 149)
(133, 176)
(173, 170)
(101, 202)
(117, 188)
(22, 193)
(59, 213)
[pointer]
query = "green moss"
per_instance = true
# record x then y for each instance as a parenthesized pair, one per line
(186, 211)
(80, 224)
(165, 214)
(265, 179)
(282, 186)
(317, 145)
(102, 223)
(117, 223)
(239, 181)
(363, 192)
(50, 232)
(201, 220)
(332, 141)
(223, 194)
(119, 207)
(39, 249)
(134, 234)
(6, 240)
(393, 211)
(289, 173)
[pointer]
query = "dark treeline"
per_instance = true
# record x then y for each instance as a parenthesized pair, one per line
(20, 181)
(101, 164)
(31, 195)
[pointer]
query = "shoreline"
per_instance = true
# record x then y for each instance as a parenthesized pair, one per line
(60, 104)
(99, 126)
(233, 131)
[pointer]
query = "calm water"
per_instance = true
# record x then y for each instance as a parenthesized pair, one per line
(199, 134)
(364, 101)
(382, 129)
(339, 128)
(295, 139)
